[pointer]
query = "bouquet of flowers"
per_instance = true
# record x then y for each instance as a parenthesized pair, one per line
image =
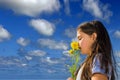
(75, 57)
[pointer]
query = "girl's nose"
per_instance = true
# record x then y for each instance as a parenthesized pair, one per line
(79, 46)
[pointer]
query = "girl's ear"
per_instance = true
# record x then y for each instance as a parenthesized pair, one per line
(94, 36)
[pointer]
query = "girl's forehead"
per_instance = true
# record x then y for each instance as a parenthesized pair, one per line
(79, 33)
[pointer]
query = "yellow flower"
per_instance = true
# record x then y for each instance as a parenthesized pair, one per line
(75, 45)
(71, 51)
(75, 57)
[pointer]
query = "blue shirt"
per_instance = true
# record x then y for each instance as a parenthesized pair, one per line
(97, 67)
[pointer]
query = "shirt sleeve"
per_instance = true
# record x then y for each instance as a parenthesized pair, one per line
(96, 68)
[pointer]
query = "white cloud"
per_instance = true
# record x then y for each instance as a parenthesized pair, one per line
(48, 59)
(52, 44)
(11, 61)
(70, 32)
(117, 57)
(74, 39)
(4, 34)
(66, 53)
(22, 41)
(36, 53)
(67, 7)
(43, 27)
(42, 64)
(23, 64)
(117, 53)
(117, 34)
(28, 57)
(31, 7)
(98, 9)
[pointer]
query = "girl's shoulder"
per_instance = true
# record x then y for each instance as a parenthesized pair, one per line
(96, 66)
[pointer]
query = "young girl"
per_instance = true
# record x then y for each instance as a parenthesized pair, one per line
(94, 41)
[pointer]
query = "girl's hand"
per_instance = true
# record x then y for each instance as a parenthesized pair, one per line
(70, 78)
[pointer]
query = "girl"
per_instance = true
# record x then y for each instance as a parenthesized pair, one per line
(94, 41)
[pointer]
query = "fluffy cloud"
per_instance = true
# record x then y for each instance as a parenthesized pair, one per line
(54, 61)
(49, 60)
(117, 34)
(52, 44)
(98, 9)
(42, 65)
(11, 61)
(117, 59)
(22, 41)
(67, 8)
(70, 32)
(28, 58)
(30, 54)
(31, 7)
(66, 53)
(36, 53)
(117, 54)
(43, 27)
(4, 34)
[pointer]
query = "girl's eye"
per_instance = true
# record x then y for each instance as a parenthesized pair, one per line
(79, 38)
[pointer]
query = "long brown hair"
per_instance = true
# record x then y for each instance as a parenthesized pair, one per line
(101, 46)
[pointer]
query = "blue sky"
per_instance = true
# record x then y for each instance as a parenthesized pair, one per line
(35, 34)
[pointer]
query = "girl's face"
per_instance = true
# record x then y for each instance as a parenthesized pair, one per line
(85, 42)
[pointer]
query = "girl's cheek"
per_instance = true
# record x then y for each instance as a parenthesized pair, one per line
(81, 42)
